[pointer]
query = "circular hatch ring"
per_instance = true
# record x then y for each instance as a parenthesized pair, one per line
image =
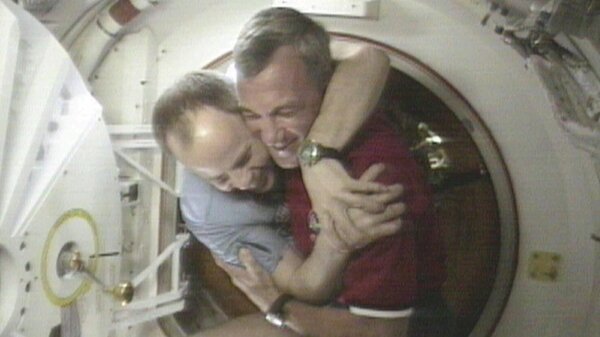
(497, 171)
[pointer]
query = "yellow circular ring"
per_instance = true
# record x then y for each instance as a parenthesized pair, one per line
(86, 284)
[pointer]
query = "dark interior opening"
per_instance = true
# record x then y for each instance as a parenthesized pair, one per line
(464, 199)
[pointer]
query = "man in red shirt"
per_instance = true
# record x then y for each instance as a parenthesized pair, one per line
(383, 275)
(283, 68)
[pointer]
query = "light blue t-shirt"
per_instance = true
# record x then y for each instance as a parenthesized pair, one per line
(228, 221)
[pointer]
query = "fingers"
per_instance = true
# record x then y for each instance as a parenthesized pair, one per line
(249, 262)
(251, 266)
(372, 172)
(233, 271)
(366, 183)
(373, 202)
(243, 278)
(393, 212)
(392, 193)
(367, 194)
(363, 201)
(346, 230)
(365, 220)
(385, 229)
(356, 228)
(373, 223)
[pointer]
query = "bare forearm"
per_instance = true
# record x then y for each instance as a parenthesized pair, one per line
(318, 278)
(301, 318)
(253, 325)
(314, 321)
(351, 96)
(305, 320)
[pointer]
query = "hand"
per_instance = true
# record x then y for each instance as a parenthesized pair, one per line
(365, 228)
(331, 188)
(362, 229)
(253, 280)
(332, 191)
(357, 227)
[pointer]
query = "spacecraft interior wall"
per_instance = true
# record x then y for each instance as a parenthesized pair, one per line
(555, 185)
(60, 192)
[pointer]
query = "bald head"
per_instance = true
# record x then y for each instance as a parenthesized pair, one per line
(222, 151)
(197, 120)
(213, 133)
(189, 95)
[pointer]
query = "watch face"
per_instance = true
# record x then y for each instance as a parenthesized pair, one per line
(309, 153)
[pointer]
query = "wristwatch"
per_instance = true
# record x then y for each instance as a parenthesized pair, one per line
(310, 152)
(274, 314)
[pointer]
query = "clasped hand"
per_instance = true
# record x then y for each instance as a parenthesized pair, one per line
(353, 212)
(252, 279)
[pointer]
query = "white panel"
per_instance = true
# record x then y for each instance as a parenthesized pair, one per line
(186, 49)
(88, 182)
(130, 67)
(350, 8)
(27, 126)
(9, 41)
(77, 113)
(57, 157)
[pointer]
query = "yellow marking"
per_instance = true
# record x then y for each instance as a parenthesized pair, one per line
(544, 266)
(86, 284)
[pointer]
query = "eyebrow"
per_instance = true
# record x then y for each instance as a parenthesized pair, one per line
(242, 109)
(293, 104)
(218, 178)
(242, 158)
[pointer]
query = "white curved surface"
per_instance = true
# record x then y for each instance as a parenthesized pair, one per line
(57, 157)
(556, 186)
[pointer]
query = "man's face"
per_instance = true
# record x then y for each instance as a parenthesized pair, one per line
(224, 153)
(281, 103)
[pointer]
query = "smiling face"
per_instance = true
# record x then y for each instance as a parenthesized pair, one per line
(224, 153)
(280, 104)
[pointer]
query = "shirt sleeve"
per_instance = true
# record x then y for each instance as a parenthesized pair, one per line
(226, 222)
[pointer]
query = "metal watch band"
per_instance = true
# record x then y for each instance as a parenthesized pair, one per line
(274, 314)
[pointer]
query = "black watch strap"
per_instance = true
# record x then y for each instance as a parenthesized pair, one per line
(311, 152)
(274, 314)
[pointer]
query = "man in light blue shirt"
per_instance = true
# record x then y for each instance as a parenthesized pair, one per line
(225, 222)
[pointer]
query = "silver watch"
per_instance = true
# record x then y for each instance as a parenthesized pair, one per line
(275, 319)
(310, 152)
(274, 314)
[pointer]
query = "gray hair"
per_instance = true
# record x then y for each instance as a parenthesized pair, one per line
(188, 95)
(272, 28)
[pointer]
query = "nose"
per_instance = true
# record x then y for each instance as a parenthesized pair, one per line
(228, 187)
(241, 179)
(269, 132)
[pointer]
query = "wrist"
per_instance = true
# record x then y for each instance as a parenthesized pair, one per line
(326, 137)
(310, 152)
(275, 313)
(322, 162)
(334, 246)
(269, 299)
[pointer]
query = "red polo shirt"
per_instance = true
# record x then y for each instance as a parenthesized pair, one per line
(392, 272)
